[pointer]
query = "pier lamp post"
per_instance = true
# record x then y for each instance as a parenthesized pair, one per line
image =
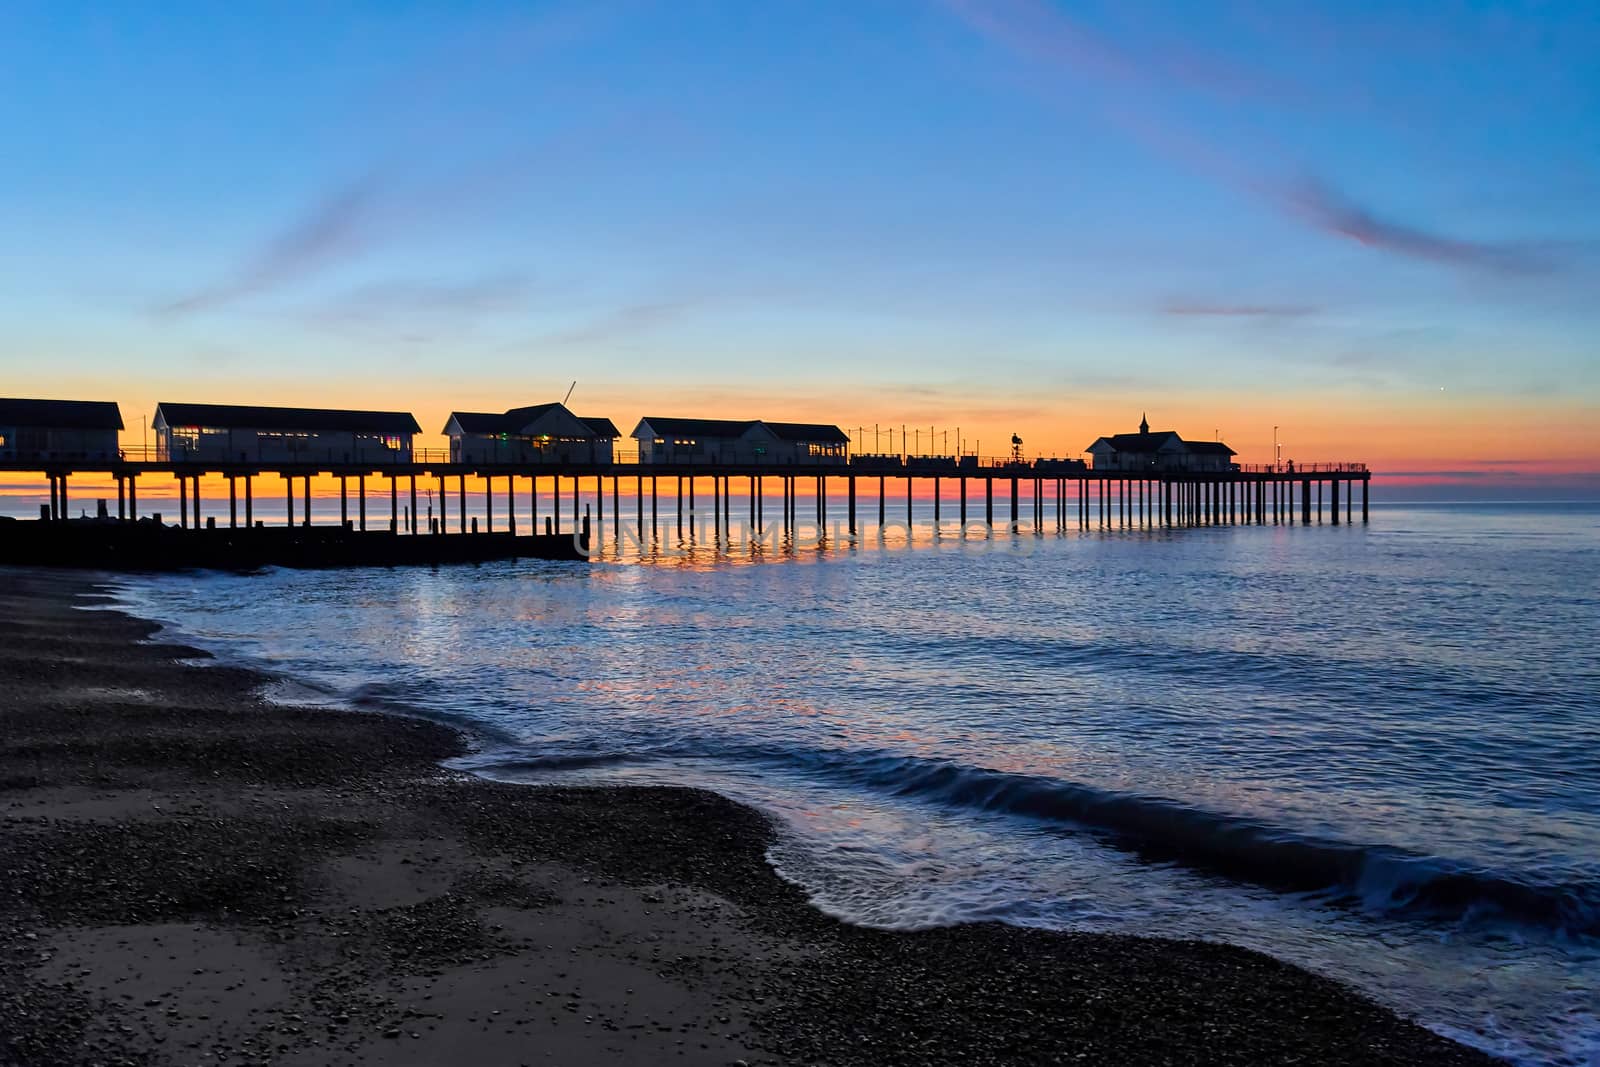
(1277, 450)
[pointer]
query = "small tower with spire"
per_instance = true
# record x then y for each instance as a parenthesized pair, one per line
(1144, 423)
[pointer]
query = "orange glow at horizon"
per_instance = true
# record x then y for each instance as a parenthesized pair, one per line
(1414, 441)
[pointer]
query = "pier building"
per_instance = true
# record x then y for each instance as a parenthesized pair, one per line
(750, 442)
(1159, 450)
(56, 430)
(540, 433)
(229, 433)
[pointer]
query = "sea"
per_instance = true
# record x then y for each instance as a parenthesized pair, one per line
(1369, 749)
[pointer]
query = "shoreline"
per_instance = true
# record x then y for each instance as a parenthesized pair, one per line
(196, 871)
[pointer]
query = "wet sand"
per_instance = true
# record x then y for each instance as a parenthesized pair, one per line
(191, 875)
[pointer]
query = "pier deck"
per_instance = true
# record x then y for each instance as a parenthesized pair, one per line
(1054, 492)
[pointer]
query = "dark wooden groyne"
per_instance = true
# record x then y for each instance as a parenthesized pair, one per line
(150, 545)
(385, 527)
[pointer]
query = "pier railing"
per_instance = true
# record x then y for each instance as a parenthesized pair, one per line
(969, 464)
(1289, 467)
(620, 457)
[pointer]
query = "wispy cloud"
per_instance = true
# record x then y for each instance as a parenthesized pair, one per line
(1332, 211)
(339, 225)
(409, 299)
(1041, 30)
(625, 320)
(1130, 88)
(1238, 311)
(428, 176)
(1451, 474)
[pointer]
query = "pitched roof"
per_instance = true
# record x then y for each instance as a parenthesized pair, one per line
(699, 427)
(1140, 442)
(512, 422)
(808, 431)
(476, 422)
(1146, 443)
(247, 417)
(783, 431)
(61, 414)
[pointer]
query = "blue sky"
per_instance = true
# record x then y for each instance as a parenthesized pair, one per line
(1018, 212)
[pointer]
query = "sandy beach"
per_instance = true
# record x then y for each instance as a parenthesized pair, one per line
(193, 875)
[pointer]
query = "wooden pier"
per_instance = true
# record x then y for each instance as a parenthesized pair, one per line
(1032, 495)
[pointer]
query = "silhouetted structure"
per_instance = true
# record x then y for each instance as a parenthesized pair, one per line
(1161, 450)
(540, 433)
(53, 430)
(749, 442)
(229, 433)
(1144, 479)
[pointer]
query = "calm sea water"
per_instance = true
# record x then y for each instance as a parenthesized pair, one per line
(1371, 750)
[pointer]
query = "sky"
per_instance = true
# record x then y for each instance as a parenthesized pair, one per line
(1373, 226)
